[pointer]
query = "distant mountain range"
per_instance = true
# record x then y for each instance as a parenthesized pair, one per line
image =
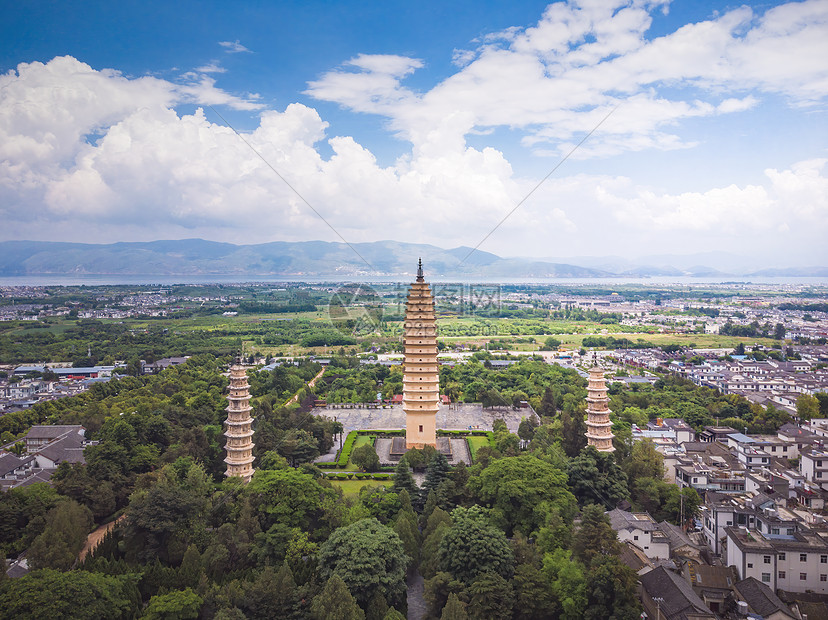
(196, 257)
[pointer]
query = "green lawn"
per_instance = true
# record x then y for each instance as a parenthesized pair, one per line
(475, 443)
(352, 487)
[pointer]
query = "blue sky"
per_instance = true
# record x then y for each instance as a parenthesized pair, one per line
(421, 122)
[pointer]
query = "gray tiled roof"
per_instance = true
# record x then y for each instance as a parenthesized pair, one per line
(676, 597)
(760, 597)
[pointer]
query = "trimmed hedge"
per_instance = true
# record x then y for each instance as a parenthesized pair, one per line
(333, 475)
(400, 432)
(345, 454)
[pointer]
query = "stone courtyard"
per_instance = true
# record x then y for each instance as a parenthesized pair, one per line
(461, 416)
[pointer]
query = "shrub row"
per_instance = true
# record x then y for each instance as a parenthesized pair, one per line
(345, 453)
(475, 433)
(358, 475)
(400, 432)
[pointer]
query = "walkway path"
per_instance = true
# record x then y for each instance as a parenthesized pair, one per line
(311, 383)
(96, 537)
(416, 600)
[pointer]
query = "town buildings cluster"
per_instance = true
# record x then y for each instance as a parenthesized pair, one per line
(28, 384)
(761, 536)
(766, 382)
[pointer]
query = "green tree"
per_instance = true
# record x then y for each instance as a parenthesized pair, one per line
(567, 584)
(369, 557)
(454, 609)
(471, 546)
(551, 343)
(436, 472)
(73, 594)
(160, 518)
(291, 498)
(403, 478)
(176, 605)
(595, 477)
(406, 529)
(532, 600)
(365, 457)
(74, 481)
(682, 506)
(527, 427)
(438, 524)
(272, 460)
(595, 536)
(807, 407)
(548, 407)
(644, 462)
(520, 490)
(67, 526)
(491, 596)
(335, 602)
(611, 588)
(377, 607)
(437, 591)
(272, 595)
(191, 570)
(573, 427)
(822, 397)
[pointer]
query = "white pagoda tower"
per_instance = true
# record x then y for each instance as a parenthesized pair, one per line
(239, 433)
(421, 378)
(599, 426)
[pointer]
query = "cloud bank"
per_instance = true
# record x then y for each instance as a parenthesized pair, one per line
(92, 155)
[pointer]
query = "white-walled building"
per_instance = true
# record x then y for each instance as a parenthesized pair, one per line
(641, 530)
(797, 562)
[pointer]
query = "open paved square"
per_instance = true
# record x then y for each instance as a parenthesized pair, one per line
(461, 416)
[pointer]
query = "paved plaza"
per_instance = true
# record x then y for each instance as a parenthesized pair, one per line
(462, 416)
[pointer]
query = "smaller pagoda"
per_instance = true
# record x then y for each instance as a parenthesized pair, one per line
(239, 433)
(599, 426)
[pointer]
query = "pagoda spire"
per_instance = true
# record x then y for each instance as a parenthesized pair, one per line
(421, 379)
(599, 425)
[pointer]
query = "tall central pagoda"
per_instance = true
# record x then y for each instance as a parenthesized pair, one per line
(599, 426)
(421, 379)
(239, 433)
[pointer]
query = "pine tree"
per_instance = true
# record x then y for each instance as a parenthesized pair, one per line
(393, 614)
(286, 594)
(335, 602)
(377, 607)
(437, 471)
(190, 570)
(573, 427)
(454, 609)
(405, 501)
(406, 530)
(430, 505)
(595, 536)
(548, 408)
(491, 597)
(404, 480)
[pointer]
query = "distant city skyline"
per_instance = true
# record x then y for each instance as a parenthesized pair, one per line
(423, 123)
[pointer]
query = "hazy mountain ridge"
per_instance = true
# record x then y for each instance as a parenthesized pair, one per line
(322, 258)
